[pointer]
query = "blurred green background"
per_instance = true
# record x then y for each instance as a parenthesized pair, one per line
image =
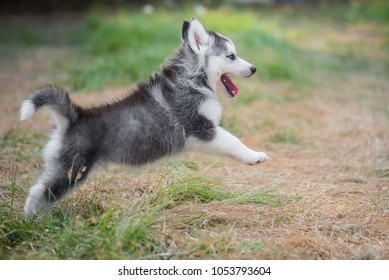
(120, 42)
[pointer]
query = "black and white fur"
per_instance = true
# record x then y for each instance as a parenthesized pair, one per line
(175, 110)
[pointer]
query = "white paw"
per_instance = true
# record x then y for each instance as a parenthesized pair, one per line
(257, 157)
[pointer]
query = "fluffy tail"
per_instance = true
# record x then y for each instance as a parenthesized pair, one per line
(56, 99)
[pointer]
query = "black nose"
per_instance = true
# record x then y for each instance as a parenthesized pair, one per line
(253, 69)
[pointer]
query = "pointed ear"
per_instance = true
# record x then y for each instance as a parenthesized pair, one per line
(197, 36)
(184, 32)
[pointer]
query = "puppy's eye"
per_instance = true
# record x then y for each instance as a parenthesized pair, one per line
(231, 56)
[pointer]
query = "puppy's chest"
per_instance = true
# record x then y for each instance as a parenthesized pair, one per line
(212, 110)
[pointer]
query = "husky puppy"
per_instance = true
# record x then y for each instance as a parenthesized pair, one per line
(175, 110)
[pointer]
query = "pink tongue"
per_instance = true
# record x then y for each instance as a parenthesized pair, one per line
(229, 85)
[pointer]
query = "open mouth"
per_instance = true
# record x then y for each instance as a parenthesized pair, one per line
(229, 85)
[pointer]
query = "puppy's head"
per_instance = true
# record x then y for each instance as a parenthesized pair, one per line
(217, 55)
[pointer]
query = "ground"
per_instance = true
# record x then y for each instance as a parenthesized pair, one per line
(323, 193)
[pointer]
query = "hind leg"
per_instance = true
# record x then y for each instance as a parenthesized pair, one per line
(56, 181)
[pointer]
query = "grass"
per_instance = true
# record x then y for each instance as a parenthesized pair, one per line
(60, 236)
(111, 48)
(286, 136)
(86, 233)
(354, 11)
(250, 97)
(14, 145)
(115, 47)
(196, 189)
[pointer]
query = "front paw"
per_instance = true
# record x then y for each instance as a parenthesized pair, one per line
(257, 157)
